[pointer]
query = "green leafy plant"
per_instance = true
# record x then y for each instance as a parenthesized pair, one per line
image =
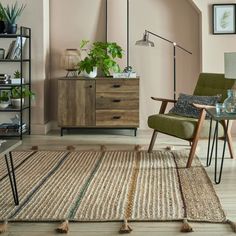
(16, 92)
(17, 74)
(4, 96)
(1, 14)
(12, 12)
(101, 55)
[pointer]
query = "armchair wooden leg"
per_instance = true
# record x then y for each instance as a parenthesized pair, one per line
(154, 135)
(196, 137)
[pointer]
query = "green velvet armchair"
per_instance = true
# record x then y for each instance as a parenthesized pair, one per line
(187, 128)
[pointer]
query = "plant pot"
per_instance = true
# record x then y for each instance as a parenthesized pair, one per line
(92, 74)
(16, 102)
(2, 27)
(4, 105)
(11, 28)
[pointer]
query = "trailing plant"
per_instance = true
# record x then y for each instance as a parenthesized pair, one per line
(11, 12)
(101, 55)
(4, 96)
(16, 92)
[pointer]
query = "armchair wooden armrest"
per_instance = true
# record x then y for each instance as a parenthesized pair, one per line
(164, 103)
(201, 106)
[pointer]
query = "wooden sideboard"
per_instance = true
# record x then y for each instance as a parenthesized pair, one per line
(98, 103)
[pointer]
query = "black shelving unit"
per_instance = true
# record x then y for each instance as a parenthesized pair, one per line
(24, 32)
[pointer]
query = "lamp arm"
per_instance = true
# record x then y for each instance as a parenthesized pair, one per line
(175, 45)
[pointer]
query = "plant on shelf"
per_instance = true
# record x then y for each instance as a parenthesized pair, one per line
(4, 99)
(20, 93)
(17, 74)
(11, 13)
(101, 55)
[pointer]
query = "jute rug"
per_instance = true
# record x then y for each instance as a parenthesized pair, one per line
(108, 186)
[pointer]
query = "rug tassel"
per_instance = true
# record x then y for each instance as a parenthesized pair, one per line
(137, 148)
(3, 227)
(103, 148)
(70, 148)
(35, 148)
(186, 227)
(232, 224)
(63, 227)
(125, 228)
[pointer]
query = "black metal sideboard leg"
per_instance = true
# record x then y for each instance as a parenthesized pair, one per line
(12, 178)
(135, 132)
(223, 155)
(61, 131)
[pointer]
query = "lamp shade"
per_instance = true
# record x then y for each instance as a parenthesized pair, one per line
(230, 65)
(145, 41)
(71, 59)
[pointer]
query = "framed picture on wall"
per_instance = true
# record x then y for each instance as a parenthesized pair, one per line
(224, 19)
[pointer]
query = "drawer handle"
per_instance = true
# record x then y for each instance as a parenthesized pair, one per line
(116, 86)
(116, 100)
(116, 117)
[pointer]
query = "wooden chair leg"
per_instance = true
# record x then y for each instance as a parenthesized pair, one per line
(196, 137)
(154, 135)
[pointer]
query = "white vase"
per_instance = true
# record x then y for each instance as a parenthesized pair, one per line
(92, 74)
(16, 102)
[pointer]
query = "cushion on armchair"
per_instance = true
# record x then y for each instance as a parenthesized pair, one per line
(183, 106)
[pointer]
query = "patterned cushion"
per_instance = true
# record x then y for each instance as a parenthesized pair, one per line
(183, 105)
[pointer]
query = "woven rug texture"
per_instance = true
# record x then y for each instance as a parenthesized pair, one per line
(108, 186)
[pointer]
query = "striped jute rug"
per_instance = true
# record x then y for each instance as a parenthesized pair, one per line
(109, 186)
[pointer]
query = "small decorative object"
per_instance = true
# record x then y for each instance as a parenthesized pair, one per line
(15, 120)
(71, 58)
(5, 79)
(127, 73)
(224, 19)
(101, 55)
(2, 53)
(17, 78)
(4, 99)
(230, 73)
(220, 108)
(10, 15)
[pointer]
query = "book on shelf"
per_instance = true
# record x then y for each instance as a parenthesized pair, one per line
(12, 128)
(14, 50)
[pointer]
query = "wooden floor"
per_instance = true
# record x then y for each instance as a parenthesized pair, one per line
(226, 190)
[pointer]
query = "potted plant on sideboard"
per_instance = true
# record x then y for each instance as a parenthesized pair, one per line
(18, 94)
(10, 14)
(101, 56)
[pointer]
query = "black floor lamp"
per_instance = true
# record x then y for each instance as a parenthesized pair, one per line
(146, 42)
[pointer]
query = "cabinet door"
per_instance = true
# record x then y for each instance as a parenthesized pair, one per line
(76, 103)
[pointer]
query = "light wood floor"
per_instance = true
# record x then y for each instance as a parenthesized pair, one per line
(226, 190)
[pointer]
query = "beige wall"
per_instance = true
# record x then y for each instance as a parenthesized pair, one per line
(176, 20)
(35, 16)
(213, 46)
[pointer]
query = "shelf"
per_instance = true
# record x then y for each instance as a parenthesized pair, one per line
(11, 36)
(13, 85)
(11, 109)
(14, 60)
(12, 134)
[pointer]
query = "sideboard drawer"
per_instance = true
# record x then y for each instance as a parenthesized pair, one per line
(127, 101)
(120, 118)
(117, 85)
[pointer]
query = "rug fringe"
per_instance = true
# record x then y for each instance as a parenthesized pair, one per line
(35, 148)
(103, 148)
(125, 228)
(63, 227)
(70, 148)
(3, 227)
(186, 227)
(170, 148)
(232, 224)
(137, 148)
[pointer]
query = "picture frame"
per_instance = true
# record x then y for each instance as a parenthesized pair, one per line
(224, 18)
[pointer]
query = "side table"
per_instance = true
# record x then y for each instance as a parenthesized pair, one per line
(5, 150)
(223, 117)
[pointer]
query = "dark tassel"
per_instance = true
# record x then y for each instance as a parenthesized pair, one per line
(63, 228)
(125, 228)
(170, 148)
(103, 148)
(232, 224)
(35, 148)
(70, 148)
(186, 227)
(137, 148)
(3, 227)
